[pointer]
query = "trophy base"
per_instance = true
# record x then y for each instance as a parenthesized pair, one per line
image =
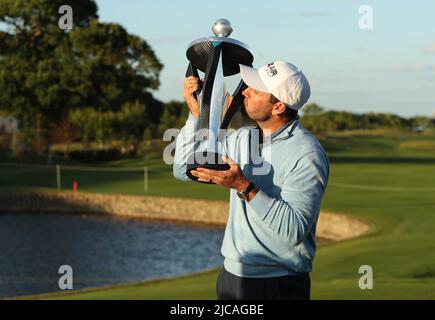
(212, 161)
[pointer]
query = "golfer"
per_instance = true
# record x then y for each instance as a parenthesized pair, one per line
(269, 243)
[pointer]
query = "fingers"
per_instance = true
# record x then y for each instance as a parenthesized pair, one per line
(209, 180)
(210, 172)
(193, 79)
(192, 84)
(201, 174)
(206, 177)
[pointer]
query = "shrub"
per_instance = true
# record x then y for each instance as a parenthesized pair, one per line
(79, 152)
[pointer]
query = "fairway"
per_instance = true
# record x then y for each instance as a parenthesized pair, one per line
(396, 197)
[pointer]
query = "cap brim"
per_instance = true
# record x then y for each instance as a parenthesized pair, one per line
(252, 78)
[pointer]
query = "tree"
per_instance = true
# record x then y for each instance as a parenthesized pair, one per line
(129, 122)
(115, 67)
(92, 125)
(174, 116)
(46, 72)
(312, 109)
(31, 63)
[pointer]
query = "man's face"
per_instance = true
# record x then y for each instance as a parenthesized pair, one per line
(257, 104)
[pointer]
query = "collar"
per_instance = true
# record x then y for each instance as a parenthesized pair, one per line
(284, 132)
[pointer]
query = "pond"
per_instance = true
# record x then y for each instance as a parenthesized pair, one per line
(101, 250)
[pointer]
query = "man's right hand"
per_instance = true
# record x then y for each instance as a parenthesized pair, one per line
(191, 85)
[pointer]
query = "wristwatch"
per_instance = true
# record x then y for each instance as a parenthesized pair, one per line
(244, 194)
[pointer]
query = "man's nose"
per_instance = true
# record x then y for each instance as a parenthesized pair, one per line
(245, 92)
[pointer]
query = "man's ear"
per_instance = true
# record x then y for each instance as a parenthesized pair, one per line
(279, 108)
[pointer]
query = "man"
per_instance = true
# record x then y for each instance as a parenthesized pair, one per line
(269, 241)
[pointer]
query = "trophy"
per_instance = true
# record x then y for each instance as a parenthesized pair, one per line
(217, 57)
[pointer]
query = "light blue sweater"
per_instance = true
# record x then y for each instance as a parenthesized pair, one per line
(273, 234)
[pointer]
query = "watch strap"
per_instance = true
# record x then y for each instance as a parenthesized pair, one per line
(249, 188)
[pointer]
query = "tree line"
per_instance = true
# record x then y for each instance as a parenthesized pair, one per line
(319, 120)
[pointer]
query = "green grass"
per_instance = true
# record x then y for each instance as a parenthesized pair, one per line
(393, 189)
(199, 286)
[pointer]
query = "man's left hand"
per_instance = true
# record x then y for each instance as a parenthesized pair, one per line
(232, 178)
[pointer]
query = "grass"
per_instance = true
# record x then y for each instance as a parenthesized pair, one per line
(200, 286)
(371, 178)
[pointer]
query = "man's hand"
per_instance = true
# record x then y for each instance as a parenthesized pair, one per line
(191, 85)
(232, 178)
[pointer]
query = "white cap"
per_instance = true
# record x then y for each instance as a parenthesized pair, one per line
(284, 80)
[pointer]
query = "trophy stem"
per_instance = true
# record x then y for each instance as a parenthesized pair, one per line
(210, 74)
(216, 106)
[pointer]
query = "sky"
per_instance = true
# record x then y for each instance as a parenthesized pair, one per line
(389, 68)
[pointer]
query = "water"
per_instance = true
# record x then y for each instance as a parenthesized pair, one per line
(101, 250)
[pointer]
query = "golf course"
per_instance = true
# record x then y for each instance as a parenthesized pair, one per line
(384, 178)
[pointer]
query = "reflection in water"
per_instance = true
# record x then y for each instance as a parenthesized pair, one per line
(101, 250)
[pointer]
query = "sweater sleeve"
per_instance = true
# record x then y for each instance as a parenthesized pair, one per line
(292, 216)
(184, 147)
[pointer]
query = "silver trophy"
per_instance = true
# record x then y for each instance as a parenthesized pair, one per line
(217, 57)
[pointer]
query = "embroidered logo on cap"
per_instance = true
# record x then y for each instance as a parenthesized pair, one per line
(271, 70)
